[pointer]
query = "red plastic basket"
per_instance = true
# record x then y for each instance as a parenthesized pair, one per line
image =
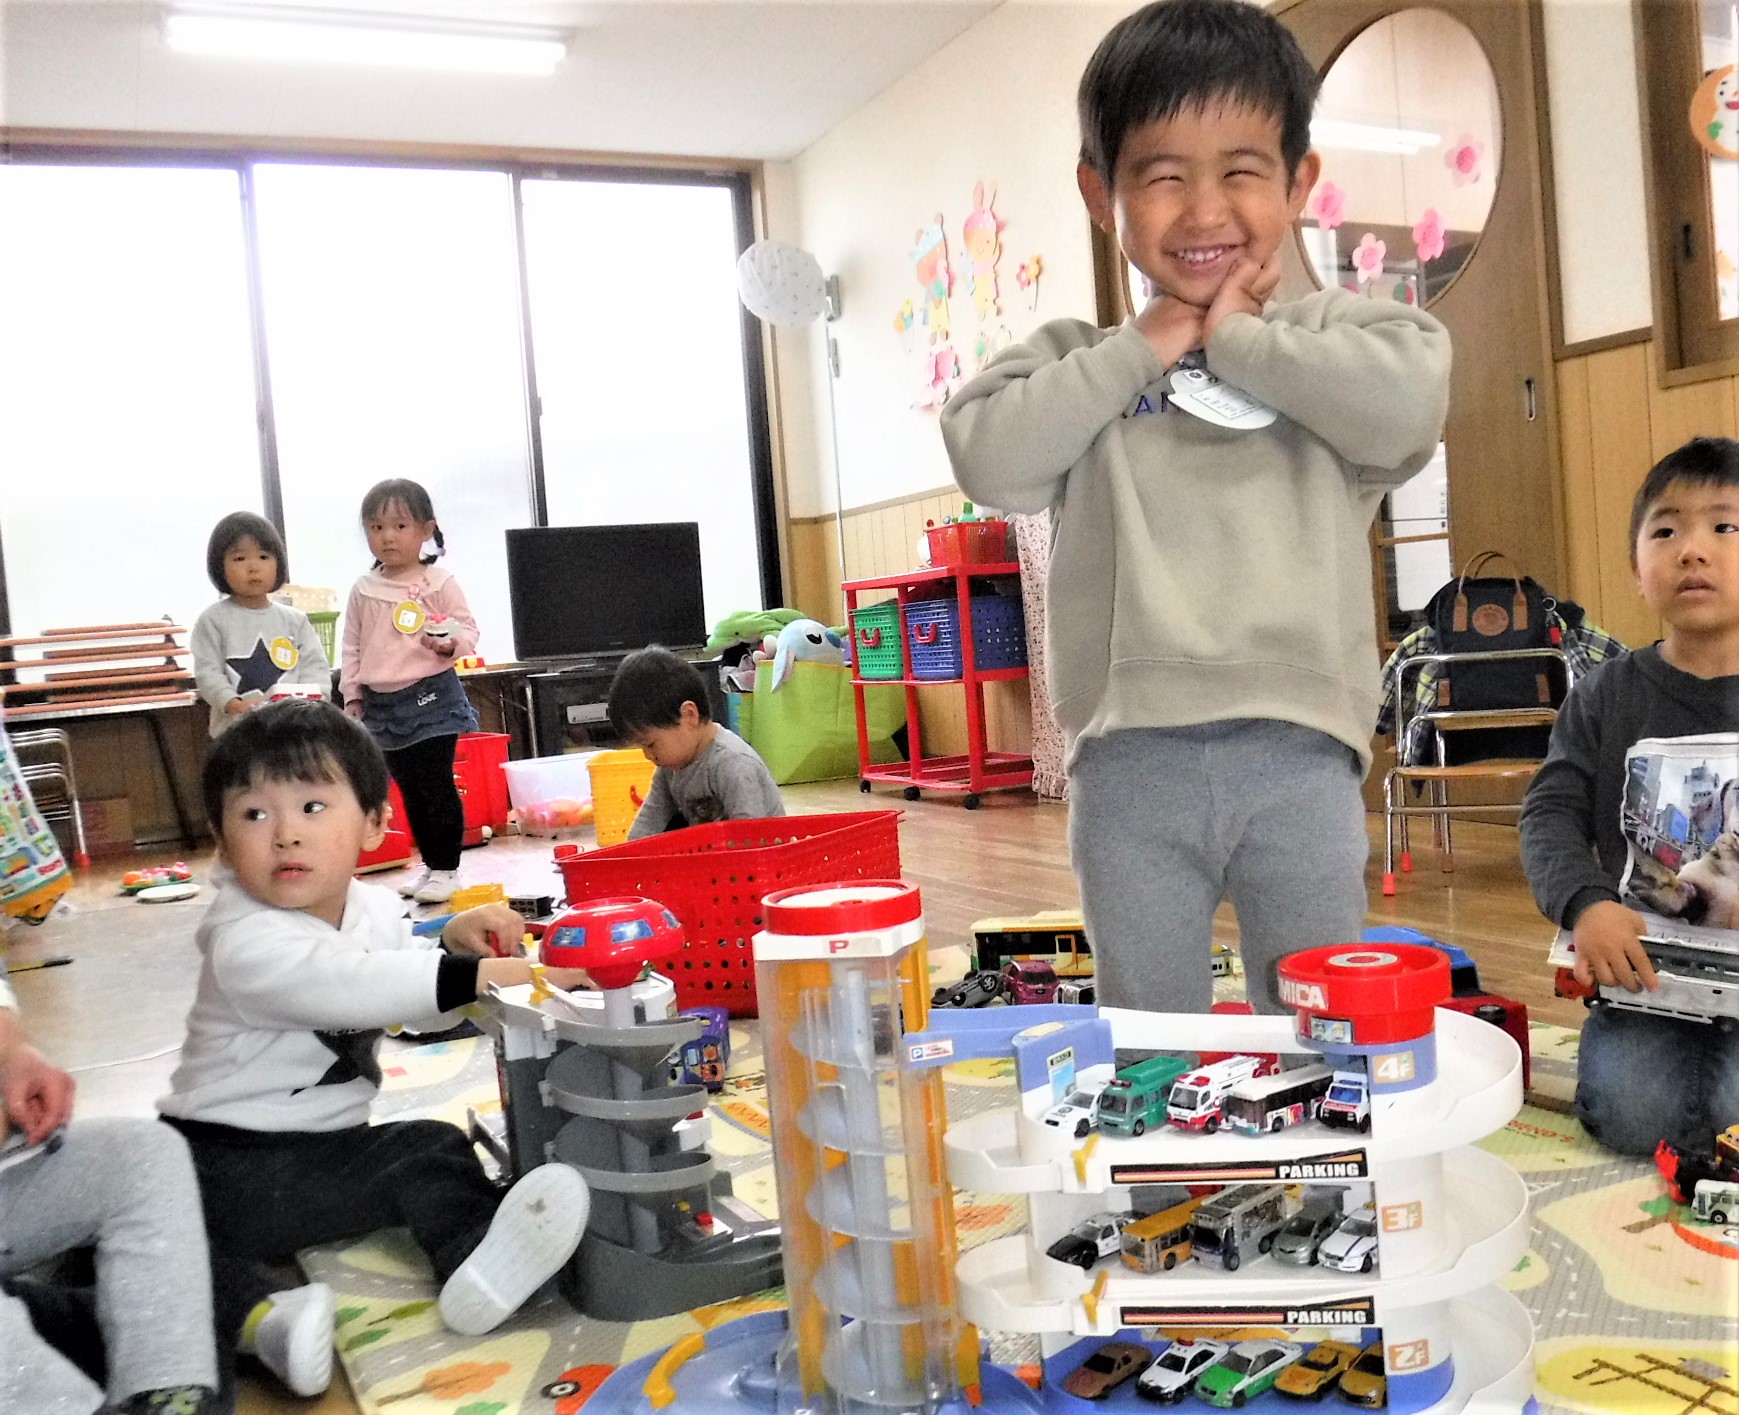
(714, 877)
(968, 543)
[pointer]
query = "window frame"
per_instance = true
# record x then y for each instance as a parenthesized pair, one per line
(742, 179)
(1693, 343)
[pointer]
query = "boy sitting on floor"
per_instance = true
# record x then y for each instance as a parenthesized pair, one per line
(1643, 1077)
(706, 772)
(303, 967)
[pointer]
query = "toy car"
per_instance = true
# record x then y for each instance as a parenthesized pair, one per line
(1077, 1112)
(702, 1062)
(1245, 1371)
(974, 990)
(1222, 962)
(1365, 1383)
(1302, 1234)
(1090, 1240)
(1313, 1375)
(1179, 1366)
(1029, 980)
(1684, 1169)
(1106, 1369)
(1352, 1248)
(1080, 990)
(135, 880)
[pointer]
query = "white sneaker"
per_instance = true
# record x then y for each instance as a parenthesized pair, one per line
(438, 888)
(412, 882)
(535, 1231)
(294, 1341)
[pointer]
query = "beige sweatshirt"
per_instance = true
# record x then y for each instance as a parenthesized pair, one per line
(1200, 574)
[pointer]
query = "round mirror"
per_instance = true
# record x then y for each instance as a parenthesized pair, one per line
(1410, 136)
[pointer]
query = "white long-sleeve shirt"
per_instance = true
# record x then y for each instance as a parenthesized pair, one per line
(289, 1011)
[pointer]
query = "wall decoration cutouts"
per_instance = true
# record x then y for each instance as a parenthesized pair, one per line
(983, 250)
(941, 377)
(1463, 160)
(1329, 205)
(1368, 257)
(1715, 112)
(1027, 277)
(1428, 234)
(930, 259)
(988, 344)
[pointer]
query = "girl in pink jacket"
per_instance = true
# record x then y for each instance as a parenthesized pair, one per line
(406, 621)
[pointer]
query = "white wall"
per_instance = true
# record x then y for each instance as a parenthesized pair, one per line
(1597, 168)
(995, 105)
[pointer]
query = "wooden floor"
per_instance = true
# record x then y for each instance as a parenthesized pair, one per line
(114, 1015)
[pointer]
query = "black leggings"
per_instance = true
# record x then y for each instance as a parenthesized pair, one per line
(424, 772)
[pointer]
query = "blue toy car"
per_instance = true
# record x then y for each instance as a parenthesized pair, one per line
(702, 1062)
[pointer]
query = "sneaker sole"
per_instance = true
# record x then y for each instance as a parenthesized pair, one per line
(535, 1231)
(310, 1351)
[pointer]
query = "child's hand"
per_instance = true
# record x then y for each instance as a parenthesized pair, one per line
(1609, 949)
(353, 708)
(1246, 288)
(488, 931)
(445, 647)
(511, 972)
(235, 707)
(35, 1095)
(1171, 326)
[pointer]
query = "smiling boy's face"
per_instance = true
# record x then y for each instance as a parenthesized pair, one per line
(294, 844)
(1193, 193)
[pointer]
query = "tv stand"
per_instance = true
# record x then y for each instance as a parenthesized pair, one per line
(564, 701)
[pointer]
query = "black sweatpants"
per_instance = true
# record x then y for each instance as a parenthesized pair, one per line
(424, 773)
(268, 1195)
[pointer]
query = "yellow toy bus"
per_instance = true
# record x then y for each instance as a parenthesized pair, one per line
(1160, 1241)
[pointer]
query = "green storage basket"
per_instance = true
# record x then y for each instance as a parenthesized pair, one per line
(878, 645)
(325, 622)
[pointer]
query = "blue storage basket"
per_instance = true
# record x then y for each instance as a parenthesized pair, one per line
(933, 635)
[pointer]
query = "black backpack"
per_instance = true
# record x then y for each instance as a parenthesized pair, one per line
(1486, 614)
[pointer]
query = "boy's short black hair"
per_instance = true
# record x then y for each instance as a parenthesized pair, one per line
(650, 688)
(1178, 55)
(295, 740)
(1703, 461)
(236, 526)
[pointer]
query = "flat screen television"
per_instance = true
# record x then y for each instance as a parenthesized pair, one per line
(578, 591)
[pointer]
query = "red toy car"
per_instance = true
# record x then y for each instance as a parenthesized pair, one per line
(1029, 980)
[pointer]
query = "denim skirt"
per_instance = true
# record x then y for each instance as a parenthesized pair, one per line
(431, 707)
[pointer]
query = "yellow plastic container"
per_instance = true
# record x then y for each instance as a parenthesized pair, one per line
(620, 781)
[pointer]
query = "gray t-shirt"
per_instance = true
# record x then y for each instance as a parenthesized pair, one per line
(727, 781)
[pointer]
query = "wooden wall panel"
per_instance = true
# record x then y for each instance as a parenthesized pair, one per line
(1615, 423)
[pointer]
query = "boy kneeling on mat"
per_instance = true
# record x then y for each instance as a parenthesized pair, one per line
(303, 967)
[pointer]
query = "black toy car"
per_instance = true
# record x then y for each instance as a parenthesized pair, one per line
(974, 990)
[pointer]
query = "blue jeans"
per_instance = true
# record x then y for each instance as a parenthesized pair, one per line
(1642, 1079)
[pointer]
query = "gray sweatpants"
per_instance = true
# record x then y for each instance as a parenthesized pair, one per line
(125, 1187)
(1164, 823)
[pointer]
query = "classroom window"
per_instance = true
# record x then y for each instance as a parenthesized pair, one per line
(127, 399)
(638, 341)
(391, 318)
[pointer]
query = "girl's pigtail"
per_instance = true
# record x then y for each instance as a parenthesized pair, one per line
(440, 546)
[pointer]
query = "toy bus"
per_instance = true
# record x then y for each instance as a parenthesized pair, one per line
(1236, 1220)
(1057, 934)
(1268, 1103)
(1137, 1097)
(1161, 1241)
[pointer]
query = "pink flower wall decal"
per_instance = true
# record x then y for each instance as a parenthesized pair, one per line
(1368, 257)
(1428, 235)
(1463, 160)
(1329, 206)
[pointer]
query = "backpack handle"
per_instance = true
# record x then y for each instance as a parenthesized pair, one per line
(1518, 605)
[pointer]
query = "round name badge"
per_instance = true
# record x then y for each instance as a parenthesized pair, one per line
(283, 653)
(408, 617)
(1204, 395)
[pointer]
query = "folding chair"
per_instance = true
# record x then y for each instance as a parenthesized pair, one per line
(1511, 732)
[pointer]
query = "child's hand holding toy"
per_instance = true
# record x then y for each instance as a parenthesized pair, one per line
(438, 634)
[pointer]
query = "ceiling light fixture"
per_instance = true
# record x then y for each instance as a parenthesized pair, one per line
(1369, 137)
(296, 34)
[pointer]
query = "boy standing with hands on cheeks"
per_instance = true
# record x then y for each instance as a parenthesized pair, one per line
(1213, 467)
